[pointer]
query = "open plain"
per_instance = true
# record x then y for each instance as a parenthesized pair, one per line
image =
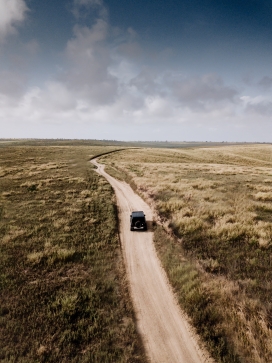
(64, 291)
(214, 238)
(63, 288)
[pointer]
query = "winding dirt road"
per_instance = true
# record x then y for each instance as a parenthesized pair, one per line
(165, 332)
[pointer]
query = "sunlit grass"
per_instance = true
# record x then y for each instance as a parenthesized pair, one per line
(218, 203)
(63, 290)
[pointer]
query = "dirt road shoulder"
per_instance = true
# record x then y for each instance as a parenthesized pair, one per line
(166, 334)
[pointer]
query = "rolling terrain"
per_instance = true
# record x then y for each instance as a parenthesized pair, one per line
(63, 289)
(214, 238)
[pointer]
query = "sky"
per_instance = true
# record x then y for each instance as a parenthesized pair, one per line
(175, 70)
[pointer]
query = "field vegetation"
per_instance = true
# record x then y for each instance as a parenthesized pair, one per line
(215, 206)
(63, 291)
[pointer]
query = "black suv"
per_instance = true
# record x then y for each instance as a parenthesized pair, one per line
(137, 221)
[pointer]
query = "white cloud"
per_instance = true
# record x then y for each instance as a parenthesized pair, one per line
(260, 106)
(147, 82)
(12, 12)
(88, 75)
(105, 83)
(201, 92)
(12, 84)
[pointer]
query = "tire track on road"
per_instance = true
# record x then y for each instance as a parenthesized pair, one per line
(166, 334)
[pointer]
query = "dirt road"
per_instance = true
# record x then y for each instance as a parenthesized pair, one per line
(164, 330)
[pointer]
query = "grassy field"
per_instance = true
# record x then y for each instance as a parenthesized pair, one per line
(63, 291)
(112, 143)
(217, 201)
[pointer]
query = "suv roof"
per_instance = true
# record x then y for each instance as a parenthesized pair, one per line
(137, 214)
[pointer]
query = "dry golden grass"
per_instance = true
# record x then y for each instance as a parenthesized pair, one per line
(218, 202)
(63, 290)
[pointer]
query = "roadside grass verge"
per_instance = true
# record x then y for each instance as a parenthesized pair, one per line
(63, 290)
(201, 304)
(217, 202)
